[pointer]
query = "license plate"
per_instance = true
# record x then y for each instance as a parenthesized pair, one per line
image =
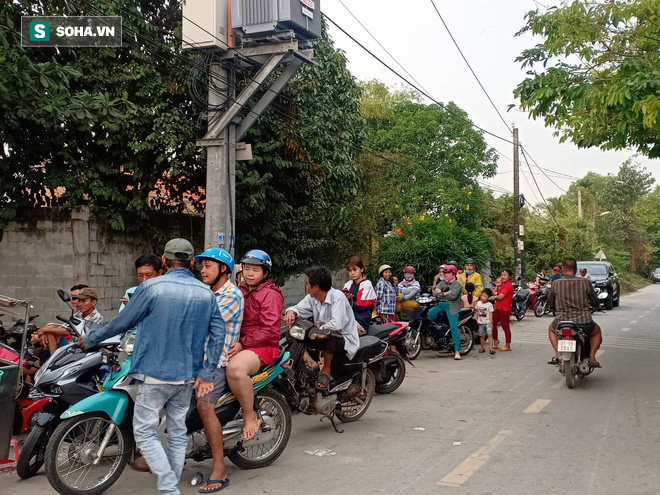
(567, 346)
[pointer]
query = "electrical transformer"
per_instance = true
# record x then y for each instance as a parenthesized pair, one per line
(204, 24)
(256, 18)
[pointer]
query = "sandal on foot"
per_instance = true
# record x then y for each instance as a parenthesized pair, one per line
(482, 350)
(496, 345)
(250, 433)
(506, 348)
(323, 382)
(554, 361)
(457, 357)
(223, 484)
(492, 351)
(594, 364)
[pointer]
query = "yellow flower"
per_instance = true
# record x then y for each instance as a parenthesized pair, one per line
(468, 207)
(450, 220)
(396, 206)
(470, 193)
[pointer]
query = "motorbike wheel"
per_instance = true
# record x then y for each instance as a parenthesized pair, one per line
(353, 408)
(539, 308)
(258, 456)
(569, 367)
(395, 369)
(520, 313)
(467, 340)
(69, 455)
(33, 452)
(413, 344)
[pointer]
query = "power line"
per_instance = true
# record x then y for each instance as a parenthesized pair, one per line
(424, 93)
(542, 171)
(381, 45)
(470, 67)
(550, 212)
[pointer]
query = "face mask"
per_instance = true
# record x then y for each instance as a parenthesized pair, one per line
(408, 277)
(469, 272)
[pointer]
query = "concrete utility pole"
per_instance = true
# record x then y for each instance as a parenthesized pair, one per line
(516, 206)
(220, 222)
(579, 203)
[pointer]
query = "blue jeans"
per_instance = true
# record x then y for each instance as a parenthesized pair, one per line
(148, 403)
(453, 322)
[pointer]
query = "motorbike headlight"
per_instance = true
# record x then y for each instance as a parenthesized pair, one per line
(38, 375)
(297, 332)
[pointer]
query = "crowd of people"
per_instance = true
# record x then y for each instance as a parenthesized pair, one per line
(223, 333)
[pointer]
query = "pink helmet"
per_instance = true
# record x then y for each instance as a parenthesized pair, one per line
(450, 268)
(409, 268)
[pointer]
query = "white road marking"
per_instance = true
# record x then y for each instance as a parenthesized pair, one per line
(600, 352)
(461, 473)
(558, 384)
(633, 322)
(625, 329)
(537, 406)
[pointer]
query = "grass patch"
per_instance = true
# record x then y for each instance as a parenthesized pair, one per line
(631, 282)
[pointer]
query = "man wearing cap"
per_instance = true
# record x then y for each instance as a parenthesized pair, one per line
(470, 275)
(84, 300)
(408, 290)
(176, 315)
(557, 274)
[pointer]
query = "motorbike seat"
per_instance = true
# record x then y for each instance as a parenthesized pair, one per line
(522, 293)
(381, 331)
(568, 325)
(370, 347)
(465, 313)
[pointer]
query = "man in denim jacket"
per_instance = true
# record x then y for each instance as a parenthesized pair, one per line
(175, 314)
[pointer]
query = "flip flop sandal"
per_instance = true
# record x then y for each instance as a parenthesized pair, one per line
(323, 382)
(254, 428)
(492, 351)
(482, 350)
(505, 348)
(223, 484)
(554, 361)
(594, 364)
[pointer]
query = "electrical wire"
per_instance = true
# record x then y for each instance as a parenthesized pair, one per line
(548, 209)
(381, 45)
(470, 67)
(424, 93)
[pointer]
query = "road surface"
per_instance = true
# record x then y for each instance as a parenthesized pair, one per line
(503, 424)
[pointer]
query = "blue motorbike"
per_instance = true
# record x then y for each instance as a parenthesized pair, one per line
(88, 451)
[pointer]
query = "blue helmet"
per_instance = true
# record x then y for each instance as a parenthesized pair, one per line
(217, 254)
(258, 257)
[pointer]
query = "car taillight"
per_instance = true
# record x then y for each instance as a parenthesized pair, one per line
(567, 332)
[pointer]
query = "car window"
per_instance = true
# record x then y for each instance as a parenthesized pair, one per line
(594, 268)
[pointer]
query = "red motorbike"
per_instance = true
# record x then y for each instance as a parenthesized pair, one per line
(394, 335)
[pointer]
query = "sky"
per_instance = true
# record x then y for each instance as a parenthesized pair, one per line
(484, 29)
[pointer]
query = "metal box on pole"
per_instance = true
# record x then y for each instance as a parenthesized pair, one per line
(267, 17)
(204, 24)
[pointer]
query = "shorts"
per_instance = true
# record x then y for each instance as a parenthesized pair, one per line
(484, 329)
(219, 386)
(587, 328)
(265, 354)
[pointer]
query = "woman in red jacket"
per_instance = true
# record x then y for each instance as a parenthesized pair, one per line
(259, 344)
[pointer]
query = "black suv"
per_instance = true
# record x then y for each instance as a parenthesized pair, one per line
(606, 279)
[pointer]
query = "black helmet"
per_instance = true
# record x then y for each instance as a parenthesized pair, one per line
(470, 261)
(453, 263)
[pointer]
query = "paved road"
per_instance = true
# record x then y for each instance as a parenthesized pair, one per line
(520, 429)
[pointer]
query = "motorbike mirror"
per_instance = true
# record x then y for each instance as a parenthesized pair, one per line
(64, 296)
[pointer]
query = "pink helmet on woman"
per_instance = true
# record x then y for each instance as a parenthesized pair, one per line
(450, 268)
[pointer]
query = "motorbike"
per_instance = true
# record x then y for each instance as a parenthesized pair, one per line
(437, 335)
(69, 376)
(575, 347)
(353, 380)
(12, 336)
(520, 302)
(395, 335)
(541, 305)
(89, 450)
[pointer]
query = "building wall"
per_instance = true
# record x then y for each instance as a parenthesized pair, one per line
(294, 289)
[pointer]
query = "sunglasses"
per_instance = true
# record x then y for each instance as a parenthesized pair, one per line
(79, 298)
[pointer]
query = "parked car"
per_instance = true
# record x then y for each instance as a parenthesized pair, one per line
(606, 279)
(655, 276)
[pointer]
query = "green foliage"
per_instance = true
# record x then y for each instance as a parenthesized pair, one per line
(599, 79)
(426, 243)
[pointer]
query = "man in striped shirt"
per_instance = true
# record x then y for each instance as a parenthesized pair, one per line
(217, 266)
(570, 297)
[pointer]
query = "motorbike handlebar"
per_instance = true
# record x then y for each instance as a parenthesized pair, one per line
(62, 319)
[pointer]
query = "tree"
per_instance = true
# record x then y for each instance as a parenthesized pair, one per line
(599, 84)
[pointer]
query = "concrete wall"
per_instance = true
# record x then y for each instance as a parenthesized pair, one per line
(294, 289)
(50, 249)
